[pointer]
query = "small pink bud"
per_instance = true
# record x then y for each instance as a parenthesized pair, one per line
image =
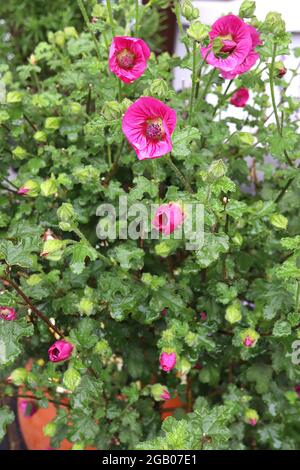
(28, 408)
(23, 190)
(248, 342)
(164, 312)
(94, 19)
(297, 390)
(48, 235)
(167, 361)
(203, 316)
(281, 73)
(165, 395)
(252, 422)
(60, 351)
(8, 313)
(240, 97)
(198, 366)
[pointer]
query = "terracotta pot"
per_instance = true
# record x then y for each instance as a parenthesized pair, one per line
(32, 428)
(168, 407)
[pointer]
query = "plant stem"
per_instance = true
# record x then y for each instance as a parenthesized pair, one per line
(8, 189)
(35, 310)
(110, 15)
(179, 22)
(193, 82)
(200, 73)
(223, 98)
(136, 18)
(10, 182)
(284, 189)
(208, 83)
(34, 127)
(33, 397)
(272, 89)
(178, 173)
(88, 25)
(114, 166)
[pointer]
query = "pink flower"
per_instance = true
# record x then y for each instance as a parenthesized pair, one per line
(8, 313)
(23, 190)
(60, 351)
(240, 98)
(281, 72)
(203, 316)
(28, 408)
(128, 58)
(248, 342)
(148, 125)
(239, 41)
(164, 312)
(168, 217)
(48, 235)
(165, 395)
(167, 361)
(252, 421)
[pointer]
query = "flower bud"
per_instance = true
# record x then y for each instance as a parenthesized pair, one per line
(19, 153)
(280, 69)
(18, 376)
(168, 217)
(59, 37)
(30, 188)
(66, 212)
(7, 313)
(247, 9)
(183, 366)
(198, 31)
(251, 416)
(28, 408)
(233, 313)
(203, 316)
(32, 59)
(249, 337)
(274, 23)
(167, 361)
(70, 32)
(159, 392)
(50, 429)
(297, 390)
(60, 351)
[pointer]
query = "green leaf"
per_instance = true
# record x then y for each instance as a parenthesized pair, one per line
(20, 254)
(11, 333)
(6, 418)
(80, 252)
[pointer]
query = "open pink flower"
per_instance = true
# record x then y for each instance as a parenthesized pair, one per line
(167, 361)
(239, 41)
(240, 97)
(128, 58)
(60, 351)
(165, 395)
(8, 313)
(168, 217)
(28, 408)
(148, 125)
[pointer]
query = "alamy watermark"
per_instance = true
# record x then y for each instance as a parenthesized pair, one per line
(135, 221)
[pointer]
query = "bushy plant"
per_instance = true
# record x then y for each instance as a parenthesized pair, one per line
(139, 321)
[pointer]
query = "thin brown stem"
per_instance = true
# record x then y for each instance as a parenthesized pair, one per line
(35, 310)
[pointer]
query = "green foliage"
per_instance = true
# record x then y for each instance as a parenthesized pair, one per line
(229, 309)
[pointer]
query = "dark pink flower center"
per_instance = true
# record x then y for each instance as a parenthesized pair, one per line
(155, 129)
(56, 352)
(126, 59)
(228, 46)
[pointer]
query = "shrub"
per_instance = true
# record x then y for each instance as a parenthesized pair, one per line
(139, 320)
